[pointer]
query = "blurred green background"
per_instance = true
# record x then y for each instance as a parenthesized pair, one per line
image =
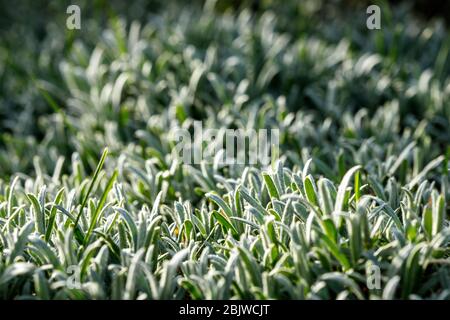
(34, 41)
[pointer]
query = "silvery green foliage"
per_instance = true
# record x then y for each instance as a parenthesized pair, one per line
(361, 181)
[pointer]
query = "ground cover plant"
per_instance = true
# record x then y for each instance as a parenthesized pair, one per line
(95, 205)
